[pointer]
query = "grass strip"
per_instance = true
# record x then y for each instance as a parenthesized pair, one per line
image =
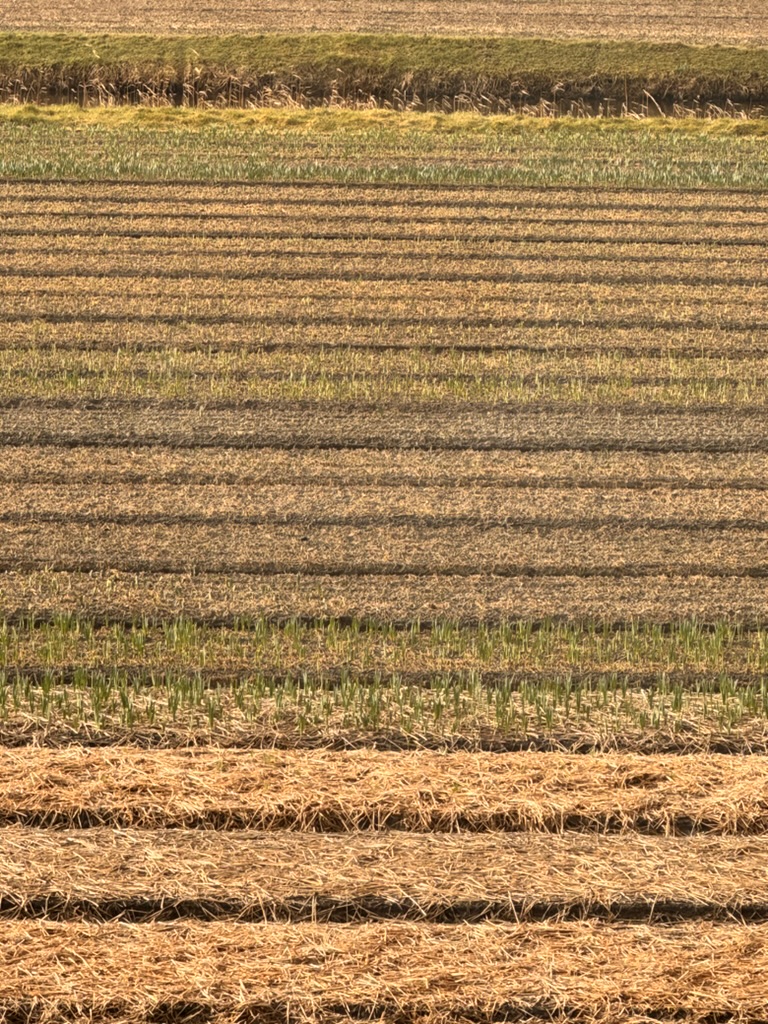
(142, 875)
(422, 71)
(424, 791)
(574, 712)
(512, 686)
(378, 147)
(414, 377)
(516, 648)
(389, 971)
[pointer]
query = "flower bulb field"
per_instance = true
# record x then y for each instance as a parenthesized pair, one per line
(383, 514)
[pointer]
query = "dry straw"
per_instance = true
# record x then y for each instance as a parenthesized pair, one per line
(348, 791)
(694, 972)
(143, 875)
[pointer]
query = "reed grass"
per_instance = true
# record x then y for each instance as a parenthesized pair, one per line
(426, 72)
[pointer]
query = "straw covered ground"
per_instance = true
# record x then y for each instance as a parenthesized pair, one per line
(228, 971)
(371, 328)
(136, 874)
(422, 791)
(382, 566)
(480, 886)
(709, 22)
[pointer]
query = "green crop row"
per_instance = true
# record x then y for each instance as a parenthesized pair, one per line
(378, 146)
(262, 645)
(607, 709)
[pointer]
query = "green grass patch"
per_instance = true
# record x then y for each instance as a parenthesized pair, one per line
(427, 71)
(344, 375)
(379, 146)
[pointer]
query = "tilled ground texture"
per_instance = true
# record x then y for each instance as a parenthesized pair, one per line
(711, 21)
(330, 348)
(382, 579)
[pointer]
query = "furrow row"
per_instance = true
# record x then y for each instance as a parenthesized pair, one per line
(462, 249)
(226, 599)
(145, 875)
(66, 469)
(514, 293)
(722, 237)
(309, 549)
(425, 271)
(434, 973)
(304, 675)
(355, 505)
(297, 426)
(413, 216)
(240, 194)
(324, 791)
(554, 336)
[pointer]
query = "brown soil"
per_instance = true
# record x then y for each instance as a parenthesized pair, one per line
(67, 468)
(388, 426)
(387, 549)
(236, 196)
(388, 506)
(538, 337)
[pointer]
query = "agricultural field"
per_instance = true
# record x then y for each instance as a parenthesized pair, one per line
(708, 21)
(383, 538)
(379, 147)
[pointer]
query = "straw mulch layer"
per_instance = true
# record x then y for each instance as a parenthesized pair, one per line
(205, 883)
(419, 791)
(697, 971)
(387, 549)
(210, 597)
(710, 22)
(166, 874)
